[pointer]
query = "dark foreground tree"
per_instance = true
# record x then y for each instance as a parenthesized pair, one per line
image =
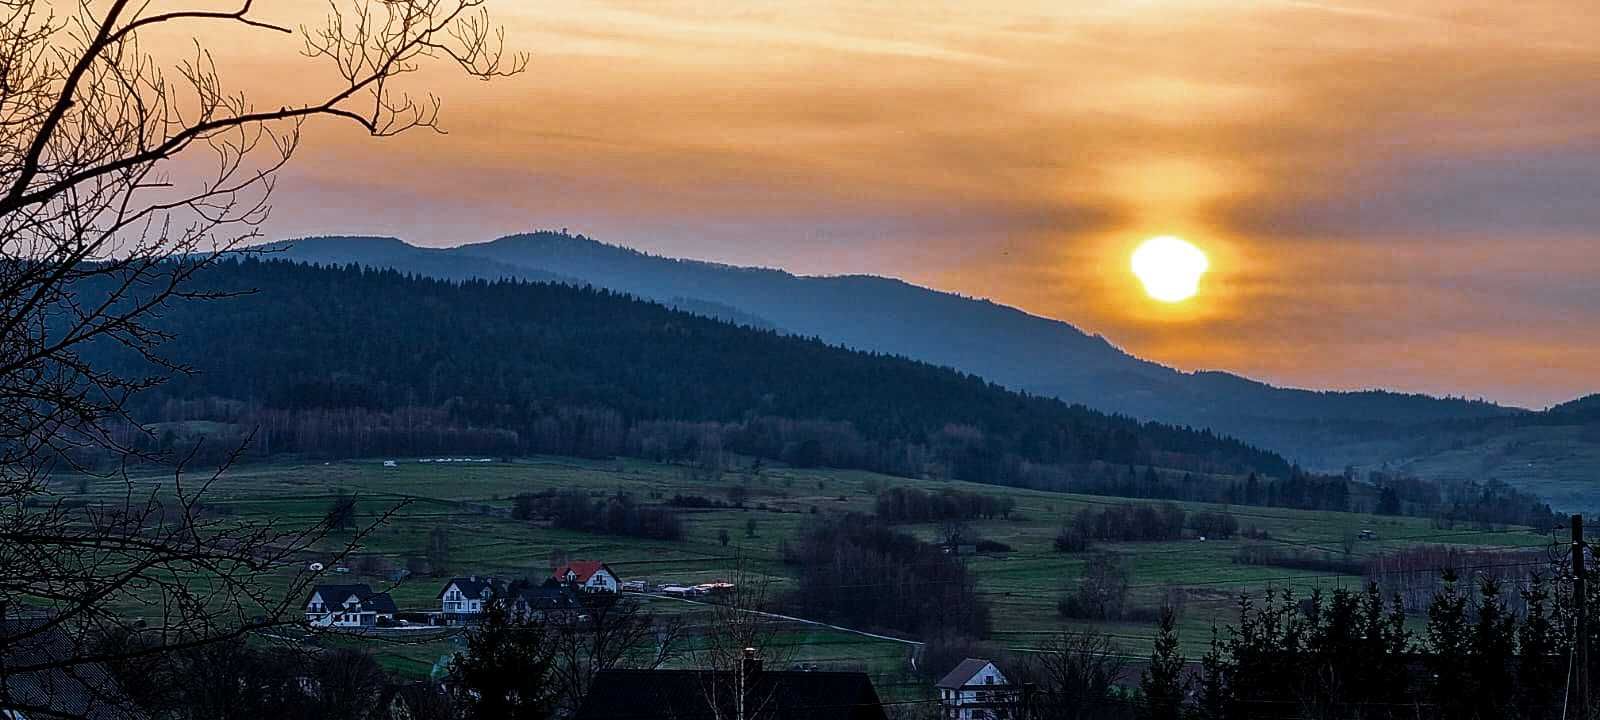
(107, 212)
(1164, 686)
(618, 633)
(1077, 676)
(506, 671)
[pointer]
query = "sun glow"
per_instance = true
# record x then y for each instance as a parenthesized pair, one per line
(1170, 268)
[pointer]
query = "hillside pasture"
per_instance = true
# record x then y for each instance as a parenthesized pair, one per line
(472, 502)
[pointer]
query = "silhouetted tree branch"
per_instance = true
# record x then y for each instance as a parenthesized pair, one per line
(107, 212)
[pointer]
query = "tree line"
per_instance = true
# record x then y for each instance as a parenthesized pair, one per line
(911, 505)
(365, 362)
(615, 514)
(857, 570)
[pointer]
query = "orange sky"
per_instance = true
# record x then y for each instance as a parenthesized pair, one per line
(1399, 193)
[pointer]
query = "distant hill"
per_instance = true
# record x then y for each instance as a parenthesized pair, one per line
(1043, 356)
(1554, 454)
(1586, 407)
(349, 362)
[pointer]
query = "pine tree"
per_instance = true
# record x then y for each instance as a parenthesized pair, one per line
(1163, 684)
(1213, 699)
(1450, 645)
(504, 673)
(1492, 649)
(1537, 672)
(341, 511)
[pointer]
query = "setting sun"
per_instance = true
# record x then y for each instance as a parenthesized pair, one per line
(1170, 268)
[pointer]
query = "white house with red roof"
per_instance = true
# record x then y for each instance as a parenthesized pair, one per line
(588, 575)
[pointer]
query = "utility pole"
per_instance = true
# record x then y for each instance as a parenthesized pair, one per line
(1581, 604)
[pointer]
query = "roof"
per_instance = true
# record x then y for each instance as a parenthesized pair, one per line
(962, 674)
(687, 694)
(584, 569)
(472, 586)
(370, 601)
(83, 690)
(549, 596)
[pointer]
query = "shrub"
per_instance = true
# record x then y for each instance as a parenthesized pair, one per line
(993, 546)
(1069, 540)
(1214, 525)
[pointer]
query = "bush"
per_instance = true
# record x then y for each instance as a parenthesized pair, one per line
(992, 546)
(910, 505)
(1214, 525)
(698, 502)
(1070, 540)
(1298, 559)
(1131, 523)
(859, 570)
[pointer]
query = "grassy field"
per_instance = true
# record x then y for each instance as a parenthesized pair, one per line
(473, 500)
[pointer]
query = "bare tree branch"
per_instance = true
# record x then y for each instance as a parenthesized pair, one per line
(107, 217)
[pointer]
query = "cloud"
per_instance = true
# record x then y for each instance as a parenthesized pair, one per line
(1358, 169)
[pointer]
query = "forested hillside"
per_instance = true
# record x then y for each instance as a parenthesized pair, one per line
(353, 362)
(1043, 356)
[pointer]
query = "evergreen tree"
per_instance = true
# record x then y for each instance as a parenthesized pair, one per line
(504, 674)
(1213, 700)
(1163, 685)
(1450, 642)
(1388, 502)
(1538, 673)
(1492, 651)
(341, 511)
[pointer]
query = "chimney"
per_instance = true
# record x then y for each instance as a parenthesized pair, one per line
(751, 663)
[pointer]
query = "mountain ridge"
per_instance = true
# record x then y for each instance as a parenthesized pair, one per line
(1035, 354)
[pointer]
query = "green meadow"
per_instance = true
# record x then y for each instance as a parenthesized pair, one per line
(472, 502)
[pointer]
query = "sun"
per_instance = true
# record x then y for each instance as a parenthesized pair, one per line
(1170, 268)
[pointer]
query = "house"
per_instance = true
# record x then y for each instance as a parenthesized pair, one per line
(549, 599)
(704, 694)
(589, 576)
(976, 690)
(348, 606)
(39, 677)
(464, 599)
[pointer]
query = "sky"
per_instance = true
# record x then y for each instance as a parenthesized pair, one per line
(1395, 193)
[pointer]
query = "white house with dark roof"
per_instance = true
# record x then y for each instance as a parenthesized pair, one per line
(589, 576)
(348, 606)
(464, 599)
(976, 690)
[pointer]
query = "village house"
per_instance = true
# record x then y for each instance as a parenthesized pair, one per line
(550, 600)
(464, 599)
(348, 606)
(589, 576)
(976, 690)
